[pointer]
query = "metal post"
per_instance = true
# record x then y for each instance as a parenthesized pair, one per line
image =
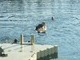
(32, 39)
(21, 39)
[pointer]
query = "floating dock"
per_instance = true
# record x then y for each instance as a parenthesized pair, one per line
(29, 52)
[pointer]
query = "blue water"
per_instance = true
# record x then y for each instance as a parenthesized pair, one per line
(21, 17)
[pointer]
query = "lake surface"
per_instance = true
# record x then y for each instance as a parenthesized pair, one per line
(21, 17)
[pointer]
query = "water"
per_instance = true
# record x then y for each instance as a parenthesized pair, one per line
(21, 16)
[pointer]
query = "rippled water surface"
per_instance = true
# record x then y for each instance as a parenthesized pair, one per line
(21, 17)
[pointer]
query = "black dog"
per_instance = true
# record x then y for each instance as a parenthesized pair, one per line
(40, 27)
